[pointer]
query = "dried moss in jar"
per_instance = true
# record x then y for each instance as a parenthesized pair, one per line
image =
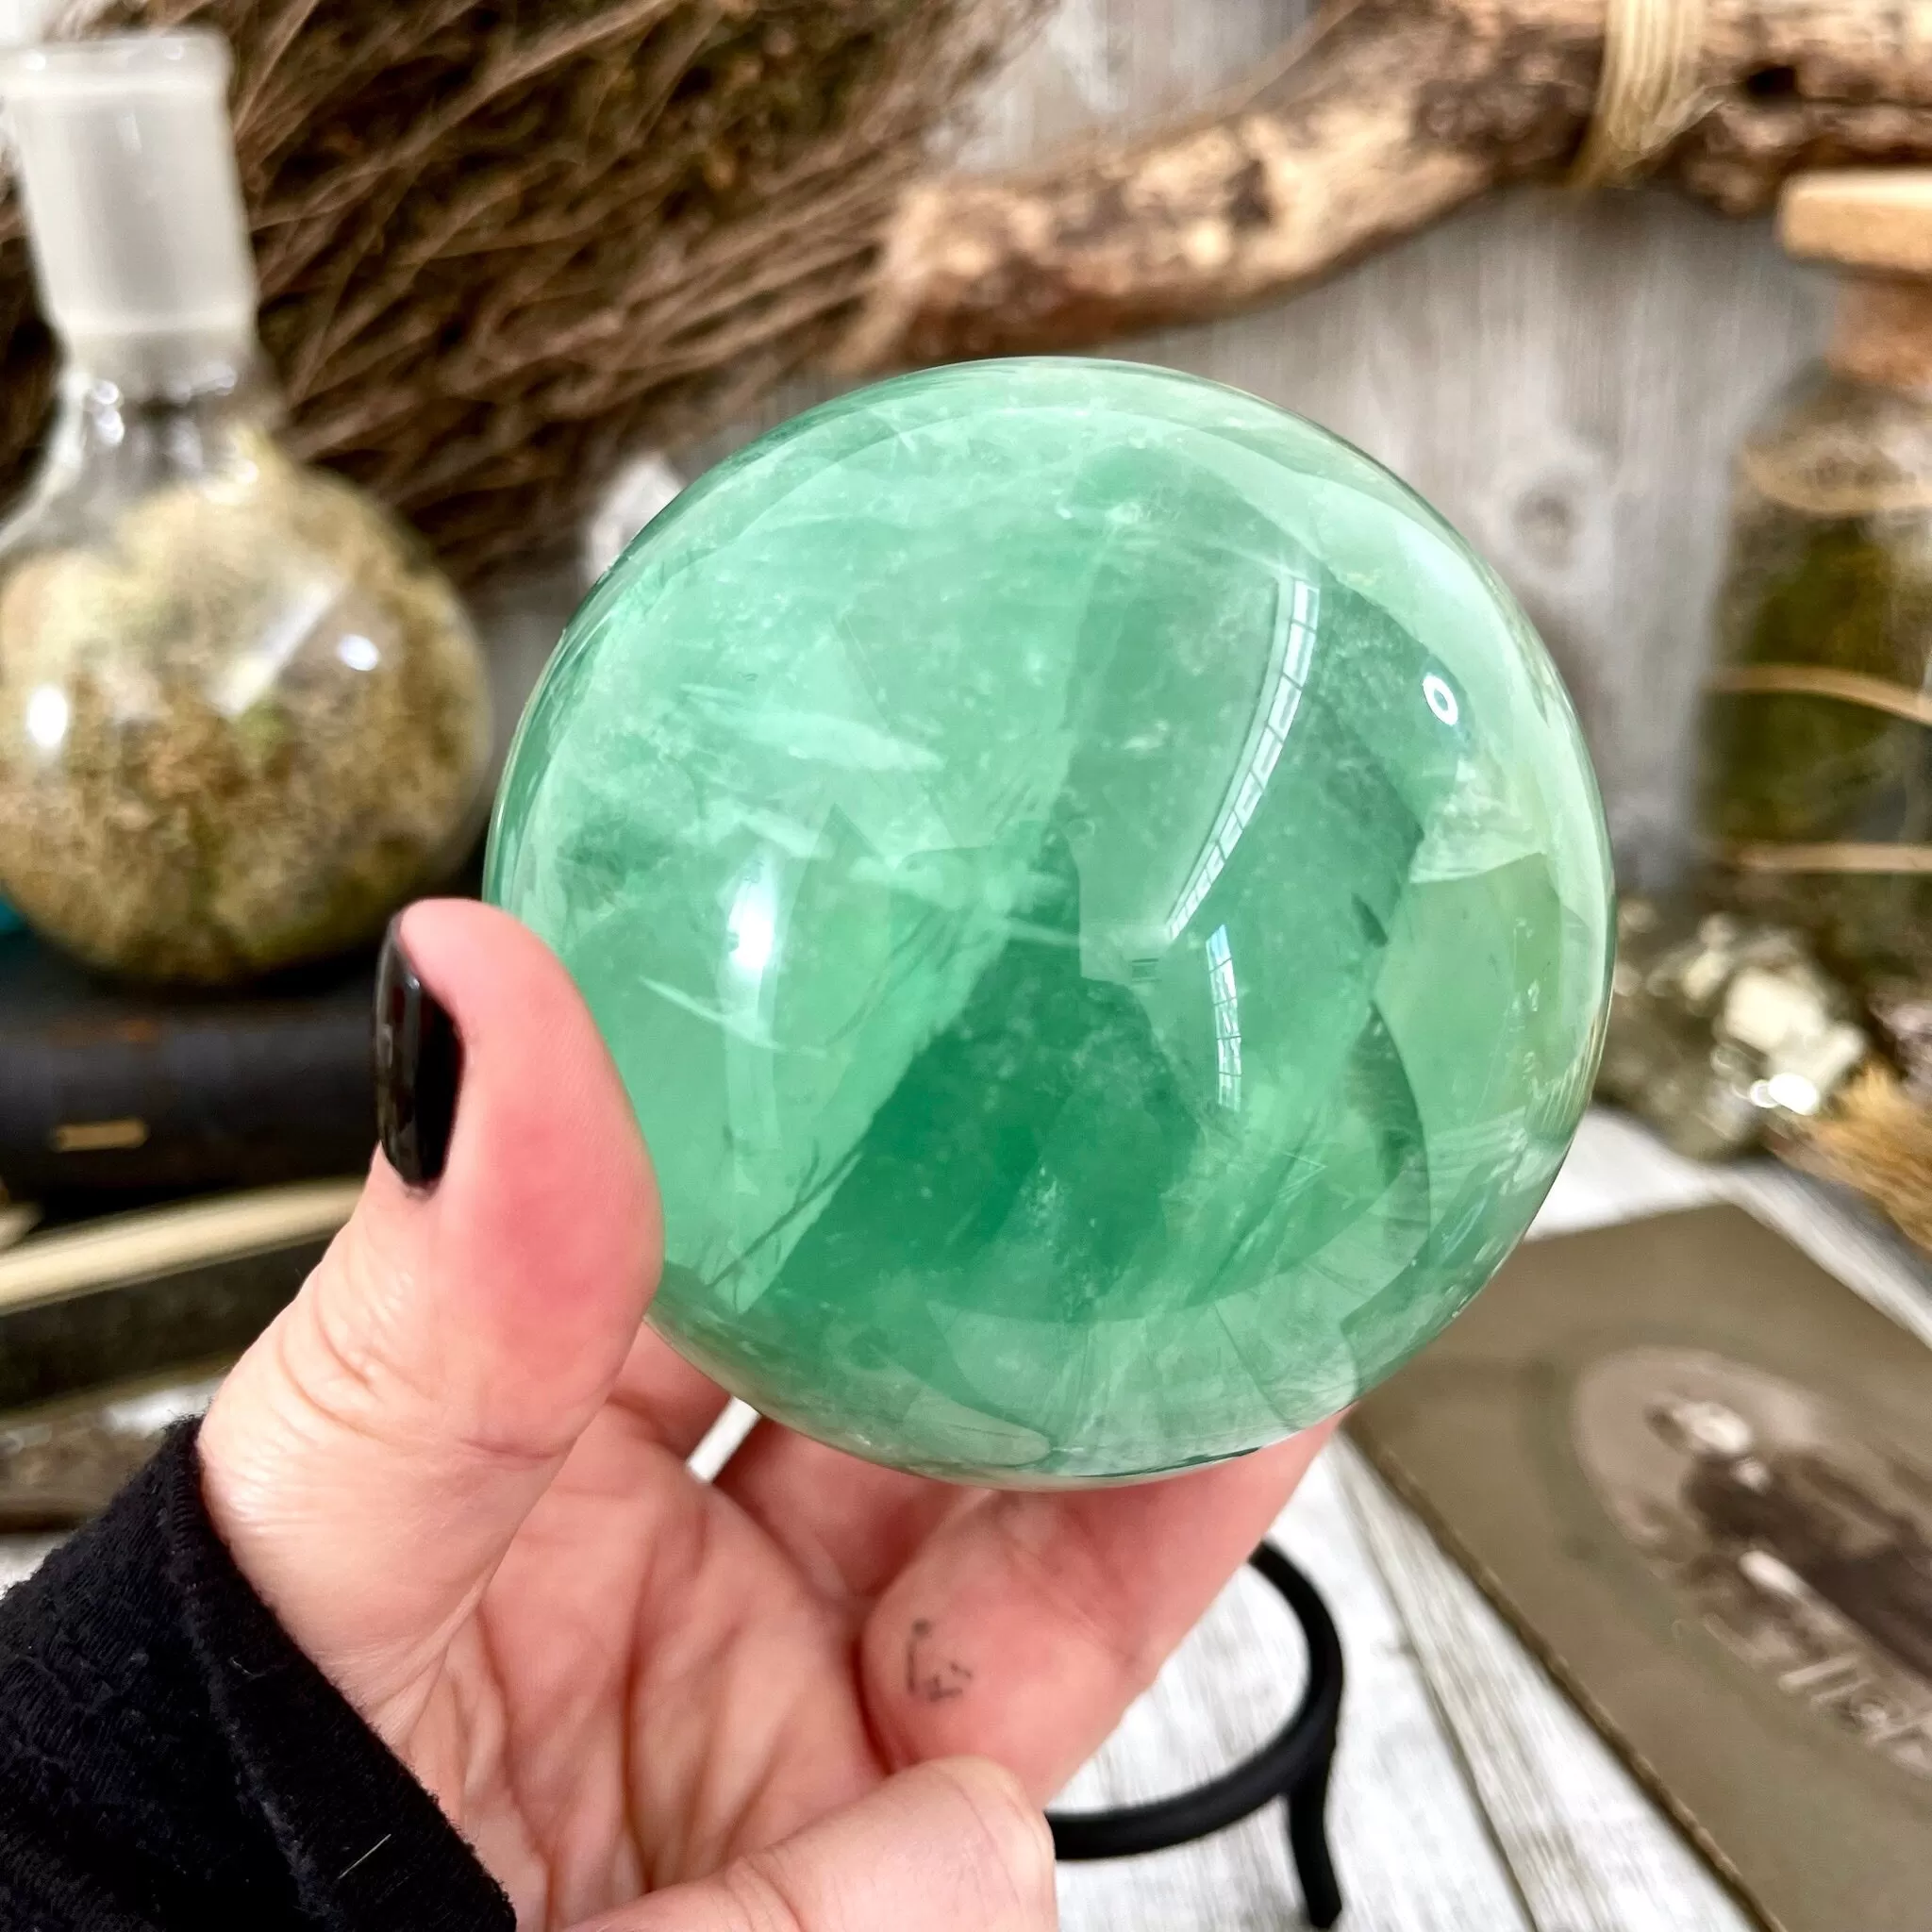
(236, 730)
(243, 717)
(1816, 784)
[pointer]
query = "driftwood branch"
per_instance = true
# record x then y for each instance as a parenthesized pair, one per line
(1395, 113)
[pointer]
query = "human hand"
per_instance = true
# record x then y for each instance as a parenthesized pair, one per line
(455, 1468)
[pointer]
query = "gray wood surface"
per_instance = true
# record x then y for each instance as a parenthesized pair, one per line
(1408, 1835)
(1585, 1846)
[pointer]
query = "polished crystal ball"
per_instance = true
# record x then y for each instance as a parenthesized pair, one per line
(1099, 905)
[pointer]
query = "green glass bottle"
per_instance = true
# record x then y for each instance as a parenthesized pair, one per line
(1816, 794)
(1099, 902)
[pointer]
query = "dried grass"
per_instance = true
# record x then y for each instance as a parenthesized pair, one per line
(502, 244)
(1877, 1140)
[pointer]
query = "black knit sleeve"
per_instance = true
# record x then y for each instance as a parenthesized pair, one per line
(168, 1759)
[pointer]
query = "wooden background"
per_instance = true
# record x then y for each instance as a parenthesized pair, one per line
(1564, 376)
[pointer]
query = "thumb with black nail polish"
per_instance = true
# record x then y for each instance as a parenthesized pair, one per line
(371, 1458)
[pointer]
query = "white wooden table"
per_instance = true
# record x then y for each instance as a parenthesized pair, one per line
(1469, 1795)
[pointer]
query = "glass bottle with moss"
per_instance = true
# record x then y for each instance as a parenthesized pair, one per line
(241, 714)
(1817, 783)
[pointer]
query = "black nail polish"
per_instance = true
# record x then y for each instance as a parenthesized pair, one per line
(419, 1066)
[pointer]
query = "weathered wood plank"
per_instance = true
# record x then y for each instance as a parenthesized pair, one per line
(1590, 1851)
(1410, 1845)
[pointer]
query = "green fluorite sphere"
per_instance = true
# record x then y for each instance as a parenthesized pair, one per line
(1099, 902)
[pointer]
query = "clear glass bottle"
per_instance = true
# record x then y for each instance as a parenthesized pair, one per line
(1816, 799)
(243, 716)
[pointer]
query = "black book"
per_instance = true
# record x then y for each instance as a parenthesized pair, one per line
(105, 1088)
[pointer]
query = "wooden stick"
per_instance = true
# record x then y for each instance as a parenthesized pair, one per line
(1399, 111)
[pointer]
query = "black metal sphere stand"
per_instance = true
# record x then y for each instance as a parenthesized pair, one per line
(1293, 1765)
